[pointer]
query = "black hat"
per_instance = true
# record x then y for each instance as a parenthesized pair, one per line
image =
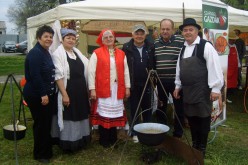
(189, 21)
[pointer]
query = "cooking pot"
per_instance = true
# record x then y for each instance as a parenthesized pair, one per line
(8, 132)
(151, 134)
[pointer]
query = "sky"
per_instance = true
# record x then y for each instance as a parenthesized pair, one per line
(4, 5)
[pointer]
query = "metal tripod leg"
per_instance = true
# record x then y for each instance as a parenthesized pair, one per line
(151, 75)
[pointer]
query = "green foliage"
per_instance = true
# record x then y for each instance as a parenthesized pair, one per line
(23, 9)
(239, 4)
(12, 65)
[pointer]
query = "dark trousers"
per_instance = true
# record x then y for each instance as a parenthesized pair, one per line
(199, 128)
(42, 116)
(239, 77)
(145, 105)
(178, 105)
(107, 137)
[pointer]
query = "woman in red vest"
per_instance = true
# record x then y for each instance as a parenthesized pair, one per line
(109, 84)
(233, 64)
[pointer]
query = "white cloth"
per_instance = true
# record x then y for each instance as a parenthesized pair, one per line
(111, 107)
(215, 74)
(62, 71)
(113, 75)
(56, 37)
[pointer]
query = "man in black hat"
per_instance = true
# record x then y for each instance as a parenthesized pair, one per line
(240, 44)
(139, 52)
(200, 76)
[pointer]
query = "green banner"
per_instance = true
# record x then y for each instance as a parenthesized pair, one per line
(215, 17)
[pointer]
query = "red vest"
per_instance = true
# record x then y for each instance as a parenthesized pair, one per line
(103, 73)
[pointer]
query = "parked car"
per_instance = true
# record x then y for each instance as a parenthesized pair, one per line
(22, 47)
(9, 46)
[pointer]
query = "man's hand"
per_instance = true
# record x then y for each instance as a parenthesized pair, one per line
(214, 96)
(176, 93)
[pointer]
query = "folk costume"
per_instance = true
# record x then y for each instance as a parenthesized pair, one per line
(109, 77)
(198, 73)
(71, 124)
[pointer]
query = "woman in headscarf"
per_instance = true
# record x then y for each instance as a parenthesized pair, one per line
(109, 84)
(73, 101)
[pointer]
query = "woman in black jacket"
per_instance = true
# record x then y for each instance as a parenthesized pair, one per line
(39, 92)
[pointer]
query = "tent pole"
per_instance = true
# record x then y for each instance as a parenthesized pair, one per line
(183, 12)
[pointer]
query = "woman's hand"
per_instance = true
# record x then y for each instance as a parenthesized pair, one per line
(66, 100)
(44, 100)
(127, 93)
(93, 94)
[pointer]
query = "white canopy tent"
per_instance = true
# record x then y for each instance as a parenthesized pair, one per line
(151, 12)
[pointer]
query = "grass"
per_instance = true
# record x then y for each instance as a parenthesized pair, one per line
(12, 64)
(230, 147)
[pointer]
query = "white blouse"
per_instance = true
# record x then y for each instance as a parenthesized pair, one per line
(215, 74)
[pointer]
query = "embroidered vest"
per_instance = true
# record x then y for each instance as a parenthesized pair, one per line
(103, 73)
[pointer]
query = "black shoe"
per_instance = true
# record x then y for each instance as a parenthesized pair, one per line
(44, 161)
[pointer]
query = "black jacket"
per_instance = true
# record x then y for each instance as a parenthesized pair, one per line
(39, 73)
(139, 67)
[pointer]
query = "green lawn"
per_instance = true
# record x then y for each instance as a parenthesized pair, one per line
(12, 64)
(230, 146)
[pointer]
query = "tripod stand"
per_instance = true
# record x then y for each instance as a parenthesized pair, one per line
(170, 144)
(11, 78)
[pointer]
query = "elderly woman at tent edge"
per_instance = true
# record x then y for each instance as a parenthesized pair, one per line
(73, 101)
(109, 84)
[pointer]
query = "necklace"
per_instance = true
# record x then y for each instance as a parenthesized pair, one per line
(112, 52)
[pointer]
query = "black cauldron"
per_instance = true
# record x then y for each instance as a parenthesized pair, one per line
(8, 132)
(151, 134)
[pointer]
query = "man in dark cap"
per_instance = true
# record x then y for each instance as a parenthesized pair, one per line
(240, 44)
(139, 52)
(200, 76)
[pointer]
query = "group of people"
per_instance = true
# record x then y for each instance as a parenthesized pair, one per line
(66, 92)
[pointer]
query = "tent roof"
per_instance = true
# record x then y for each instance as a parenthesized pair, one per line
(136, 10)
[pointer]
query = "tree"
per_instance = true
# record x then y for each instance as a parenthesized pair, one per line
(239, 4)
(23, 9)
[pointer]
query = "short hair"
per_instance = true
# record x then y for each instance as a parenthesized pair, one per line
(238, 31)
(206, 30)
(166, 19)
(41, 30)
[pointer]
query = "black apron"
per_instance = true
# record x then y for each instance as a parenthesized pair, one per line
(77, 91)
(194, 79)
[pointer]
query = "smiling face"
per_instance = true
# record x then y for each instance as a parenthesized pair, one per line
(139, 37)
(166, 30)
(69, 41)
(190, 34)
(108, 39)
(46, 40)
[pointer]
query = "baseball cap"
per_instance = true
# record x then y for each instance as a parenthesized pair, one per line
(139, 27)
